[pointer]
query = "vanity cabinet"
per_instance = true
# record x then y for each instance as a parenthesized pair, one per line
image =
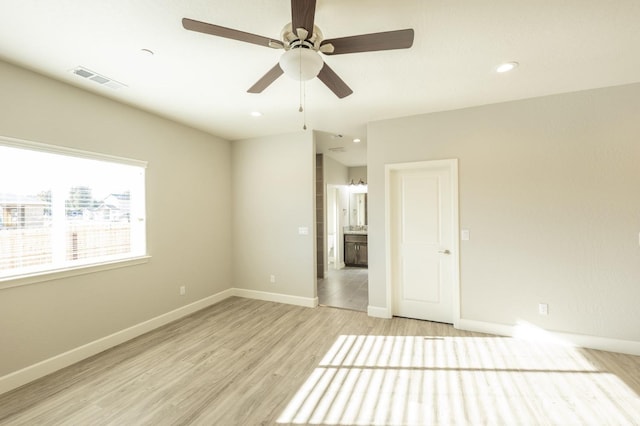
(355, 250)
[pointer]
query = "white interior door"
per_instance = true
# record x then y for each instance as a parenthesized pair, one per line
(423, 240)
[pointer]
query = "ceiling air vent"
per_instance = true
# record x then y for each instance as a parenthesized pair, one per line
(337, 149)
(97, 78)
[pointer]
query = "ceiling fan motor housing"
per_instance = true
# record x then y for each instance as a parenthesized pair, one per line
(301, 37)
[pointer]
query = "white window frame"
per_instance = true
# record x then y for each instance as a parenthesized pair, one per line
(138, 219)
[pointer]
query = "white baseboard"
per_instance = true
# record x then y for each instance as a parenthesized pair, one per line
(378, 312)
(308, 302)
(21, 377)
(579, 340)
(55, 363)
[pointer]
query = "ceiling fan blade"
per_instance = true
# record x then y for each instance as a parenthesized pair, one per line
(266, 79)
(399, 39)
(216, 30)
(333, 82)
(303, 14)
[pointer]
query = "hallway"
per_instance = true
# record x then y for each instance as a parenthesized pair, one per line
(346, 288)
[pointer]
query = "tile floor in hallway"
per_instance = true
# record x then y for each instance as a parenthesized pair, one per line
(346, 288)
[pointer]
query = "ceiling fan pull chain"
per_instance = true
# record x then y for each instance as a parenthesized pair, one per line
(304, 101)
(300, 71)
(300, 109)
(303, 93)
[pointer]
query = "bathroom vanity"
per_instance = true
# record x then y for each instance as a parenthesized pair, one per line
(355, 249)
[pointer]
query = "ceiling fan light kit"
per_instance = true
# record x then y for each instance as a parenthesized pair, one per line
(302, 42)
(301, 63)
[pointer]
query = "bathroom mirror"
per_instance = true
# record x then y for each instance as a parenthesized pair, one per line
(358, 209)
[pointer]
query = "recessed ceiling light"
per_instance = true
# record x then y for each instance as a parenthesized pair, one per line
(256, 114)
(506, 67)
(357, 140)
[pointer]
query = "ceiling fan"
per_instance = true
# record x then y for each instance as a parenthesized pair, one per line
(302, 40)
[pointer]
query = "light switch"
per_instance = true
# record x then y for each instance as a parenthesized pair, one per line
(303, 230)
(464, 235)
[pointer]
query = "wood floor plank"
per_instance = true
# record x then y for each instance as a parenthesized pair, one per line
(250, 362)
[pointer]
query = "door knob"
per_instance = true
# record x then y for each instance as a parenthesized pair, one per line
(444, 252)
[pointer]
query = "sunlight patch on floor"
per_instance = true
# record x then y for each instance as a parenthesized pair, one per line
(387, 380)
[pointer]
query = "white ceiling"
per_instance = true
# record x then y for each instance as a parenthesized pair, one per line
(201, 80)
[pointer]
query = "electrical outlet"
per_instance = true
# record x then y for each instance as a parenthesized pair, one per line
(183, 290)
(272, 279)
(543, 309)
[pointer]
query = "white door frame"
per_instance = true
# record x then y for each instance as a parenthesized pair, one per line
(452, 164)
(332, 194)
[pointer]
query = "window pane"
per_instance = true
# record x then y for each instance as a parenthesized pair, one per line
(59, 211)
(25, 232)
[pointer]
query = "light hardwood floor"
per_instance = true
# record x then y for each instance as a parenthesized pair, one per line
(249, 362)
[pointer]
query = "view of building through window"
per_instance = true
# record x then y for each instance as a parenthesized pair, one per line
(59, 211)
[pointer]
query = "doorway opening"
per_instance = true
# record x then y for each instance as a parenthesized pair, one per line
(345, 281)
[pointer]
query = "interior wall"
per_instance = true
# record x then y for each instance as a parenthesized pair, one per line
(188, 219)
(356, 174)
(335, 173)
(548, 188)
(273, 196)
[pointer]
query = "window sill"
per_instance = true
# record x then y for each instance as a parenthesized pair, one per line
(39, 277)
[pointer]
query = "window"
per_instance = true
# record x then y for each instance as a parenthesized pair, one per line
(63, 208)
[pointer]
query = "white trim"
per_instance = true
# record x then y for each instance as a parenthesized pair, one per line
(51, 275)
(55, 363)
(452, 165)
(55, 149)
(378, 312)
(485, 327)
(308, 302)
(28, 374)
(455, 231)
(579, 340)
(387, 237)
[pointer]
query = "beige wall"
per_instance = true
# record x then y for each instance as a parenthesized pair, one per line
(273, 195)
(358, 173)
(549, 189)
(335, 173)
(188, 228)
